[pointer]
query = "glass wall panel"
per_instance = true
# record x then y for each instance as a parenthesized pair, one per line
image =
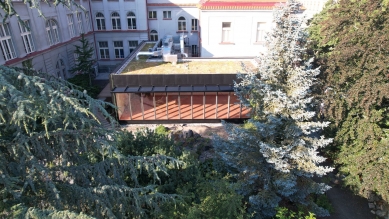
(210, 105)
(160, 106)
(198, 105)
(122, 103)
(136, 107)
(173, 106)
(234, 107)
(148, 106)
(186, 108)
(222, 105)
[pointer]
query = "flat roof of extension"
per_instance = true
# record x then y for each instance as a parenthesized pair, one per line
(187, 66)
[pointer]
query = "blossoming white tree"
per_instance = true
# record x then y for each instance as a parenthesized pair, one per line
(277, 158)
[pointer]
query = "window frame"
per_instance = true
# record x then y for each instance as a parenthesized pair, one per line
(100, 21)
(115, 21)
(260, 32)
(87, 22)
(195, 25)
(72, 31)
(152, 14)
(153, 35)
(132, 44)
(60, 68)
(167, 15)
(103, 50)
(131, 20)
(25, 33)
(181, 23)
(52, 32)
(227, 33)
(118, 49)
(80, 25)
(6, 43)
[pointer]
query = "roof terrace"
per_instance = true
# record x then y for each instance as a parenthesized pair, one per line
(146, 65)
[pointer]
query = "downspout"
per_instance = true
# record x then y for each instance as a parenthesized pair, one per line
(147, 15)
(93, 29)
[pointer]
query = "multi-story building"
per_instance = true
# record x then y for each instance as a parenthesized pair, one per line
(114, 28)
(44, 43)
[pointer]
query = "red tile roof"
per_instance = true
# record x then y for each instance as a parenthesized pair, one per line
(238, 4)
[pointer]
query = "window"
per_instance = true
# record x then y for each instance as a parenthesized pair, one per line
(100, 21)
(79, 23)
(226, 32)
(25, 32)
(132, 45)
(260, 32)
(131, 20)
(181, 24)
(152, 15)
(119, 50)
(61, 69)
(167, 15)
(103, 49)
(194, 24)
(52, 32)
(195, 52)
(75, 56)
(7, 46)
(116, 21)
(72, 33)
(87, 22)
(153, 35)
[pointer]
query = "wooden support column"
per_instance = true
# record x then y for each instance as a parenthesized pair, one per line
(141, 106)
(203, 105)
(155, 108)
(228, 112)
(167, 108)
(179, 105)
(191, 104)
(129, 100)
(240, 110)
(217, 93)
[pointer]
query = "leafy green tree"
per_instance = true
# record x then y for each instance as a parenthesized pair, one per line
(84, 62)
(8, 9)
(352, 41)
(276, 159)
(56, 158)
(204, 191)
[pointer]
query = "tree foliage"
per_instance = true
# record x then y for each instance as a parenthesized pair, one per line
(204, 191)
(276, 160)
(56, 158)
(84, 62)
(8, 9)
(352, 41)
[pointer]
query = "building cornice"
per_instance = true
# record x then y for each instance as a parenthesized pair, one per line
(171, 5)
(238, 5)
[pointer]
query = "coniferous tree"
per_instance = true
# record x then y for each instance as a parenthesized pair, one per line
(84, 62)
(352, 41)
(277, 158)
(57, 161)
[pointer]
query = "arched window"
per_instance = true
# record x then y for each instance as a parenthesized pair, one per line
(153, 35)
(131, 21)
(115, 17)
(181, 24)
(100, 21)
(61, 69)
(52, 31)
(6, 44)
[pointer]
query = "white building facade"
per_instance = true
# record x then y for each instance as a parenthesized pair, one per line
(114, 28)
(48, 44)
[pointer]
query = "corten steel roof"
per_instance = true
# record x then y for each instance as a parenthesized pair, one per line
(167, 89)
(239, 4)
